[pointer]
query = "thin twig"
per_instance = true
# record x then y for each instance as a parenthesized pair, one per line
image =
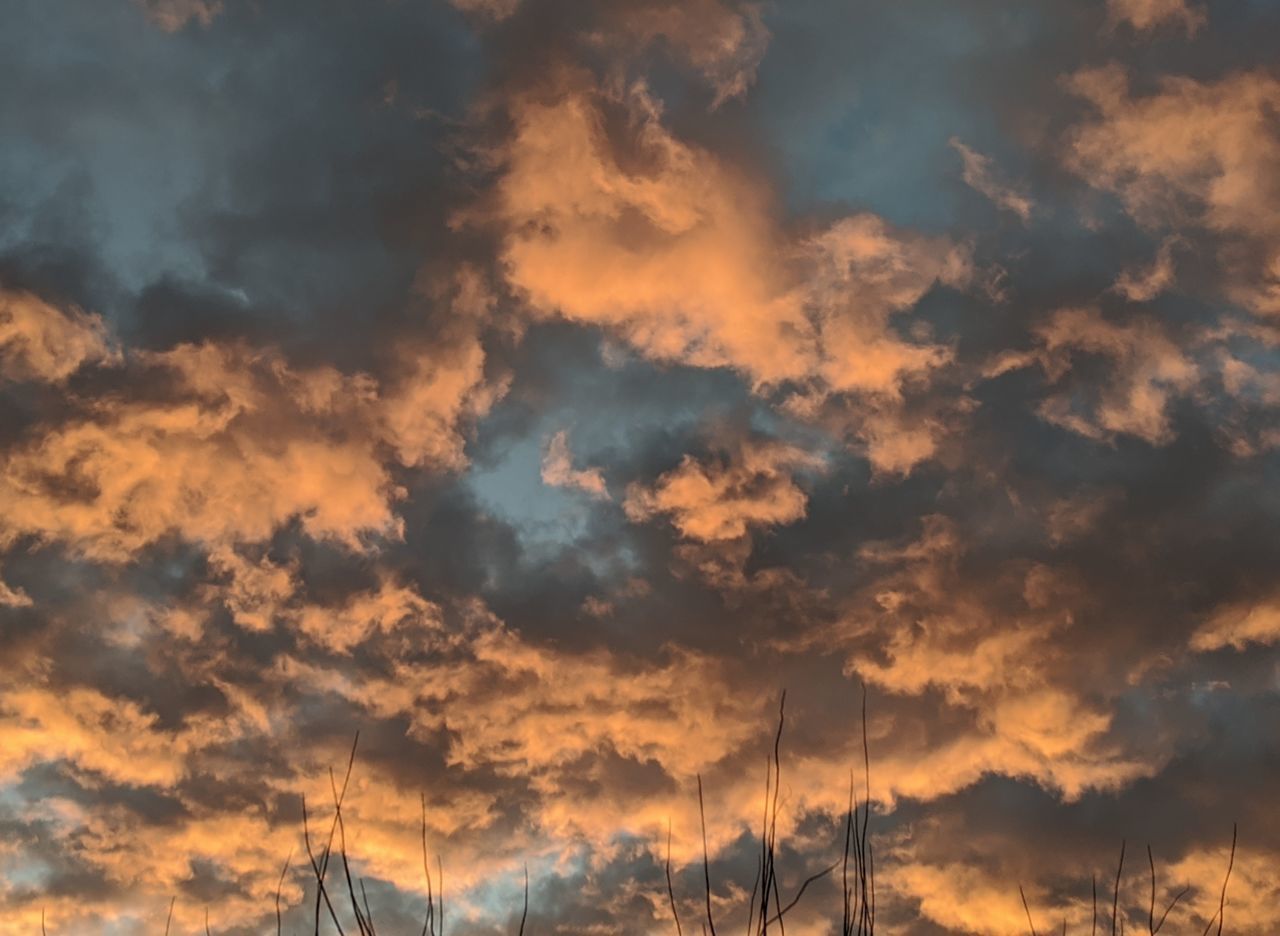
(706, 861)
(1115, 897)
(777, 918)
(1027, 908)
(279, 886)
(1222, 901)
(525, 914)
(671, 893)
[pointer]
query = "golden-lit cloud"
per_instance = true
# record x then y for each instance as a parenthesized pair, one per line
(240, 443)
(981, 176)
(1237, 625)
(1148, 370)
(724, 41)
(677, 251)
(1148, 15)
(1145, 284)
(558, 470)
(47, 344)
(1191, 153)
(242, 448)
(714, 501)
(173, 15)
(275, 397)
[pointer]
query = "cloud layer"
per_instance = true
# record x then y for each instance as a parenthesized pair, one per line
(539, 389)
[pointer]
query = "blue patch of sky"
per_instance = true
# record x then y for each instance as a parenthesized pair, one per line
(861, 106)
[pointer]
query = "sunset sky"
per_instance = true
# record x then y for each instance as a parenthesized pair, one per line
(539, 388)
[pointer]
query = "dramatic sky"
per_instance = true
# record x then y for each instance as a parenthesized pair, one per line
(540, 387)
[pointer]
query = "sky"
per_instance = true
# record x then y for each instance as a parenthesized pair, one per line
(540, 388)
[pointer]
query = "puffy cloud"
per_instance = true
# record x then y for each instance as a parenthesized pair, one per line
(681, 255)
(245, 445)
(676, 254)
(722, 500)
(676, 250)
(47, 344)
(1148, 15)
(112, 738)
(558, 470)
(1192, 153)
(961, 897)
(1237, 625)
(224, 443)
(1147, 370)
(981, 176)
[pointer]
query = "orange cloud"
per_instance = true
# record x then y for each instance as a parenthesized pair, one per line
(245, 445)
(980, 175)
(712, 502)
(1192, 153)
(724, 42)
(1148, 371)
(239, 444)
(558, 470)
(173, 15)
(40, 342)
(675, 250)
(1239, 624)
(1144, 285)
(1148, 15)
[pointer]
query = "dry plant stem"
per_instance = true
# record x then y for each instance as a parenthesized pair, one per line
(1154, 925)
(1027, 908)
(279, 887)
(321, 867)
(429, 924)
(368, 914)
(169, 918)
(1222, 900)
(777, 917)
(706, 862)
(1094, 931)
(671, 893)
(206, 922)
(1115, 897)
(346, 865)
(525, 913)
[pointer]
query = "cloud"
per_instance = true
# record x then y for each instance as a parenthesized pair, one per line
(723, 41)
(173, 15)
(722, 500)
(558, 470)
(677, 252)
(43, 343)
(236, 444)
(1149, 15)
(1191, 154)
(981, 176)
(1146, 284)
(1237, 625)
(243, 446)
(1147, 370)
